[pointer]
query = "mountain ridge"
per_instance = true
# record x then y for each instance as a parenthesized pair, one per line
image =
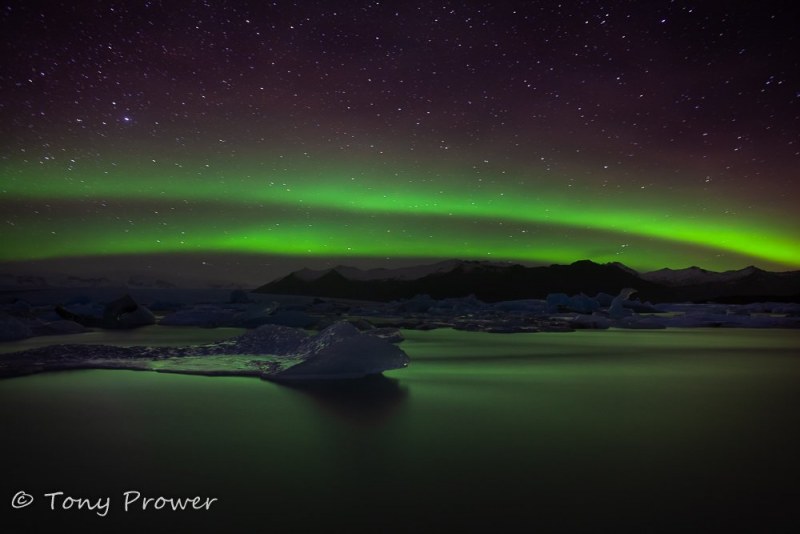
(494, 281)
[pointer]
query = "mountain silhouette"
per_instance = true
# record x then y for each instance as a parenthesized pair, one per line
(493, 282)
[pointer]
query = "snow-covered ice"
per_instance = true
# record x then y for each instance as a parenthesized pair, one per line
(272, 352)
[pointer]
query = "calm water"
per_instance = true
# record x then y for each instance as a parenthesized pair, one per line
(661, 431)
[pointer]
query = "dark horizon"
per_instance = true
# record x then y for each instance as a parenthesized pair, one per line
(246, 271)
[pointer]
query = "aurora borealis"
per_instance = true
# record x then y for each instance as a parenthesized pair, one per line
(656, 133)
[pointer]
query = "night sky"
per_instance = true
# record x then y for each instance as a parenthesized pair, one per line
(255, 134)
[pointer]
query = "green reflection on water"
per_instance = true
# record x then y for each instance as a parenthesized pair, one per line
(155, 336)
(579, 428)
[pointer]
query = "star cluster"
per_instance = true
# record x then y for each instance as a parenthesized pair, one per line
(660, 133)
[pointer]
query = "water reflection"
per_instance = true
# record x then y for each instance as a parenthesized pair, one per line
(363, 401)
(623, 431)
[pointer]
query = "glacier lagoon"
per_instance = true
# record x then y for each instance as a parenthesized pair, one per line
(667, 430)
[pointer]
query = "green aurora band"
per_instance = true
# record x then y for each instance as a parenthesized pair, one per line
(339, 212)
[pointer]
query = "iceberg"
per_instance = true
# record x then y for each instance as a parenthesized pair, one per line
(12, 329)
(202, 315)
(123, 312)
(342, 351)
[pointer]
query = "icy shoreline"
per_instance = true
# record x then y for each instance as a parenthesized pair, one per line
(277, 346)
(270, 352)
(69, 311)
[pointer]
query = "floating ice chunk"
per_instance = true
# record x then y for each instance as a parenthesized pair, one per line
(617, 310)
(469, 304)
(604, 299)
(83, 309)
(61, 327)
(557, 301)
(527, 305)
(330, 336)
(12, 329)
(254, 315)
(295, 318)
(351, 357)
(416, 304)
(123, 312)
(579, 303)
(392, 335)
(341, 351)
(267, 339)
(207, 316)
(638, 306)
